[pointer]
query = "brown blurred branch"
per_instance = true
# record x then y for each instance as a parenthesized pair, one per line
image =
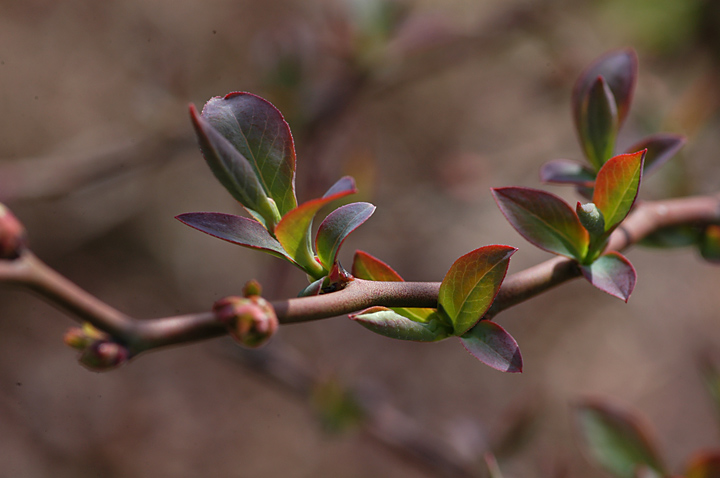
(143, 335)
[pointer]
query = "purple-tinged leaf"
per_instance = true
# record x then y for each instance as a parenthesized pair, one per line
(260, 133)
(710, 244)
(616, 187)
(566, 171)
(294, 229)
(389, 323)
(598, 125)
(616, 439)
(336, 227)
(369, 267)
(612, 273)
(232, 169)
(660, 148)
(619, 69)
(236, 229)
(493, 346)
(543, 219)
(470, 286)
(705, 464)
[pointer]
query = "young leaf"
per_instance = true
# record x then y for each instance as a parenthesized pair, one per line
(660, 148)
(389, 323)
(619, 69)
(493, 346)
(616, 187)
(565, 171)
(470, 286)
(368, 267)
(543, 219)
(232, 169)
(336, 227)
(259, 132)
(294, 229)
(704, 465)
(598, 123)
(710, 244)
(612, 273)
(616, 439)
(235, 229)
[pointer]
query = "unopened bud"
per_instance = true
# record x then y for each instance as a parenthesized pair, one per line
(80, 338)
(591, 218)
(250, 321)
(12, 235)
(252, 288)
(101, 356)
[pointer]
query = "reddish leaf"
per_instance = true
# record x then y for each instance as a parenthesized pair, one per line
(368, 267)
(617, 440)
(294, 229)
(616, 187)
(232, 169)
(710, 244)
(236, 229)
(389, 323)
(259, 132)
(598, 123)
(612, 273)
(543, 219)
(565, 171)
(704, 465)
(470, 286)
(660, 148)
(619, 69)
(336, 227)
(493, 346)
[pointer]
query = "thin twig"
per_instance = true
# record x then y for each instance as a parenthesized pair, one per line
(142, 335)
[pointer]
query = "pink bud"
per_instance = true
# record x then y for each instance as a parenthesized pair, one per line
(12, 235)
(250, 321)
(101, 356)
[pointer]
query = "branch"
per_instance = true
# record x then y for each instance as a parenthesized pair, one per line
(142, 335)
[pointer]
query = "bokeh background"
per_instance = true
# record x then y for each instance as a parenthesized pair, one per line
(427, 104)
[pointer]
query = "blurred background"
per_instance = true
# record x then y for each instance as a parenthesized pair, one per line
(427, 104)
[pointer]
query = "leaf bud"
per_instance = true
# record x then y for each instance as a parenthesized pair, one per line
(103, 355)
(591, 218)
(250, 321)
(252, 288)
(12, 235)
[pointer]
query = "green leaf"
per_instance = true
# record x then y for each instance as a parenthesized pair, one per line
(611, 273)
(233, 170)
(470, 286)
(543, 219)
(368, 267)
(710, 244)
(260, 133)
(598, 125)
(337, 226)
(294, 229)
(565, 171)
(616, 187)
(705, 464)
(660, 148)
(236, 229)
(389, 323)
(619, 70)
(616, 439)
(493, 346)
